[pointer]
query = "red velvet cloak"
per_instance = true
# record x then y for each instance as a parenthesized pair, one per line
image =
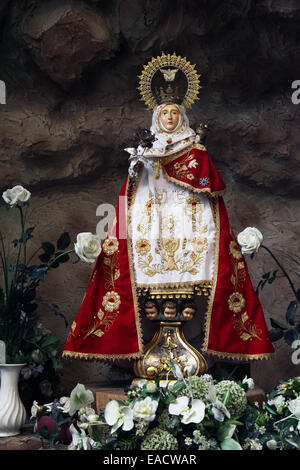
(108, 326)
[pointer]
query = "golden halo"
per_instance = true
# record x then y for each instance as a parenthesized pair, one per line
(168, 60)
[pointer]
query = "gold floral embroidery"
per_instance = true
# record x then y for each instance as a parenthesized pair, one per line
(110, 245)
(146, 216)
(166, 248)
(234, 250)
(111, 301)
(236, 302)
(200, 244)
(143, 246)
(72, 329)
(182, 169)
(246, 329)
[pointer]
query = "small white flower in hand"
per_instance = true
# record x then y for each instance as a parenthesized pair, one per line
(250, 240)
(16, 195)
(87, 247)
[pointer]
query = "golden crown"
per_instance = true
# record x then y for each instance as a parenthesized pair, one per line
(168, 65)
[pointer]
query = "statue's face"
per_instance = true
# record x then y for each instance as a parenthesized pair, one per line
(169, 116)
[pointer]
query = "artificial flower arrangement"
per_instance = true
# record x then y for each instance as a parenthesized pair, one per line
(26, 340)
(193, 413)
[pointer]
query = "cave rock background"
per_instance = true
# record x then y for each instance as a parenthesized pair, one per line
(71, 69)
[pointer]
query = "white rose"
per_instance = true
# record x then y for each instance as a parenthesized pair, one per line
(87, 247)
(15, 195)
(278, 402)
(294, 407)
(145, 409)
(151, 387)
(250, 240)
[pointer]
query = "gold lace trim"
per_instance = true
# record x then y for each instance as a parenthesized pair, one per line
(93, 356)
(130, 201)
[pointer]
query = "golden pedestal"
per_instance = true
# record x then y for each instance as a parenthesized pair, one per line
(169, 347)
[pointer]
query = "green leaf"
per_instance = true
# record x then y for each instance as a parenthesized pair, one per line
(225, 431)
(179, 385)
(44, 257)
(64, 241)
(170, 399)
(290, 336)
(291, 312)
(266, 275)
(230, 444)
(277, 324)
(49, 340)
(275, 334)
(48, 248)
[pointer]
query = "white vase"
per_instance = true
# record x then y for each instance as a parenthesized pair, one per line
(12, 411)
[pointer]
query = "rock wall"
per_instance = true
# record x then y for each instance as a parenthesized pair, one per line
(71, 69)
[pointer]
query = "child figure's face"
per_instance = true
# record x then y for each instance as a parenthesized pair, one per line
(151, 310)
(170, 310)
(188, 313)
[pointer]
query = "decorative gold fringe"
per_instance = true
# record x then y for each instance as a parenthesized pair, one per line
(99, 357)
(239, 356)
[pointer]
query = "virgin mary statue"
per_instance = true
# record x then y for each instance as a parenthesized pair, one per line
(170, 239)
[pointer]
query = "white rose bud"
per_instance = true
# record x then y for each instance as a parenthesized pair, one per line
(93, 418)
(151, 387)
(16, 195)
(250, 240)
(87, 247)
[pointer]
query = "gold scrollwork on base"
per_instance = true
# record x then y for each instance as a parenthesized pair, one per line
(168, 344)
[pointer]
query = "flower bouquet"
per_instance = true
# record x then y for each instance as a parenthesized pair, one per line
(25, 338)
(277, 425)
(66, 420)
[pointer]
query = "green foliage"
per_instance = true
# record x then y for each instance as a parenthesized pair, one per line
(26, 340)
(280, 330)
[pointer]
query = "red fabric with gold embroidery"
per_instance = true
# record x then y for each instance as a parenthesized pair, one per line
(107, 324)
(196, 170)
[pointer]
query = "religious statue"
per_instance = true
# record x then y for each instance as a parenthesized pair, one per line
(170, 242)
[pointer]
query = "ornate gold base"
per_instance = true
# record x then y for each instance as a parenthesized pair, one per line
(169, 345)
